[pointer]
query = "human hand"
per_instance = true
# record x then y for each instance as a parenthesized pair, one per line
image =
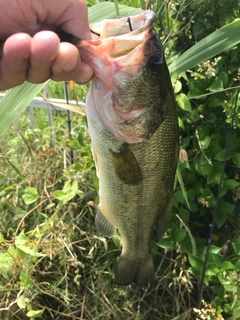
(31, 51)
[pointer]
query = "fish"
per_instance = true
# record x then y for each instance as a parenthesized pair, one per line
(133, 125)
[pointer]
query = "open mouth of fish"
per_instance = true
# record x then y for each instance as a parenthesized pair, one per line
(118, 53)
(118, 44)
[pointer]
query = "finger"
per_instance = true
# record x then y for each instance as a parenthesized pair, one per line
(68, 65)
(71, 16)
(44, 50)
(15, 60)
(75, 19)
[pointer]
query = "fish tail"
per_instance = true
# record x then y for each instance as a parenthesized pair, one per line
(139, 271)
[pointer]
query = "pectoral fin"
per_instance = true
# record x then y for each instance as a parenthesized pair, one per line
(126, 166)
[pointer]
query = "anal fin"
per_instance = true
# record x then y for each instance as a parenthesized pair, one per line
(103, 226)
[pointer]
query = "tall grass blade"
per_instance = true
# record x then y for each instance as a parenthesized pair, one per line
(219, 41)
(142, 4)
(15, 168)
(15, 101)
(184, 192)
(106, 10)
(116, 7)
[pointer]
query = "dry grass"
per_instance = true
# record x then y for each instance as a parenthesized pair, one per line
(73, 276)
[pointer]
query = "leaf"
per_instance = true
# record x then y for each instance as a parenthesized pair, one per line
(21, 302)
(80, 139)
(25, 279)
(177, 86)
(205, 142)
(30, 195)
(236, 313)
(35, 313)
(227, 265)
(236, 159)
(69, 191)
(220, 156)
(117, 240)
(30, 252)
(64, 196)
(216, 86)
(216, 259)
(195, 272)
(225, 210)
(236, 263)
(179, 235)
(21, 239)
(212, 269)
(166, 243)
(230, 183)
(184, 102)
(214, 249)
(106, 10)
(184, 214)
(215, 43)
(15, 101)
(68, 186)
(195, 262)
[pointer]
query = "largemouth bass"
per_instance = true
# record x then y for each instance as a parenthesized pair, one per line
(133, 125)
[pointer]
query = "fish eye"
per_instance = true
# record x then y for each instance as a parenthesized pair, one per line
(155, 62)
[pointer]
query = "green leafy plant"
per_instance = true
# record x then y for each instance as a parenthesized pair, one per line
(52, 262)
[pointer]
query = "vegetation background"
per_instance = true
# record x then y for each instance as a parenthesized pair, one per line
(53, 264)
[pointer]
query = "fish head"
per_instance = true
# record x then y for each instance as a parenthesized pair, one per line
(131, 77)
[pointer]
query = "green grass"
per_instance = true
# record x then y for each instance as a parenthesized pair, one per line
(52, 260)
(53, 263)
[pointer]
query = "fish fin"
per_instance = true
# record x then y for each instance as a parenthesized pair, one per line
(163, 218)
(139, 271)
(126, 166)
(103, 226)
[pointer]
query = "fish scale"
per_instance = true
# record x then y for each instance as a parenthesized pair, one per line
(133, 126)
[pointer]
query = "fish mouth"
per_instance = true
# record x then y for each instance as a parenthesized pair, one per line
(133, 25)
(117, 39)
(118, 57)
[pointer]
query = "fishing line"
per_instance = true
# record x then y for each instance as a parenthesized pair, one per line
(124, 25)
(217, 202)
